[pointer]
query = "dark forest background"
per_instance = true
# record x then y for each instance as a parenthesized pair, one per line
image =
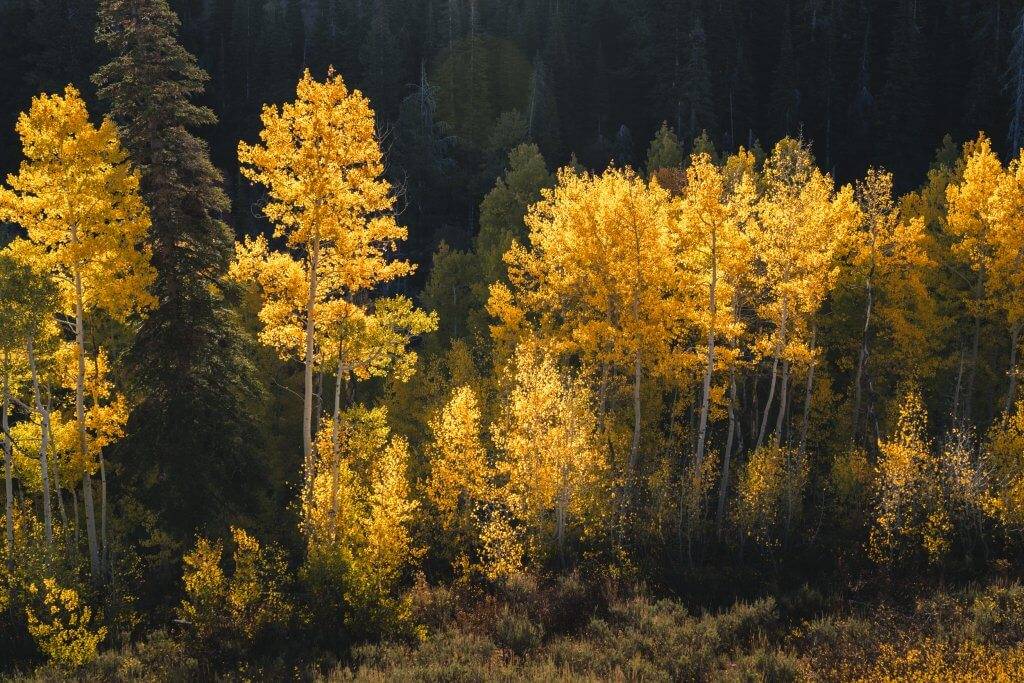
(457, 83)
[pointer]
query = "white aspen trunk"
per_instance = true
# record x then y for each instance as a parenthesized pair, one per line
(336, 449)
(87, 499)
(56, 465)
(705, 402)
(956, 390)
(723, 485)
(307, 403)
(969, 393)
(775, 371)
(1011, 392)
(44, 442)
(809, 392)
(104, 543)
(8, 475)
(862, 356)
(783, 402)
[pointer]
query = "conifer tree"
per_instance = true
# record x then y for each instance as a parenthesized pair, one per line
(190, 354)
(696, 102)
(664, 151)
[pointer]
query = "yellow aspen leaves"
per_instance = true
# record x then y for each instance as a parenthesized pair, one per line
(321, 163)
(547, 448)
(459, 472)
(78, 199)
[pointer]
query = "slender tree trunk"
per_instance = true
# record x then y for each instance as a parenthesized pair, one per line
(87, 500)
(862, 356)
(104, 541)
(336, 449)
(809, 393)
(560, 514)
(634, 448)
(775, 371)
(1011, 393)
(705, 402)
(44, 442)
(8, 475)
(969, 393)
(723, 485)
(56, 465)
(78, 521)
(105, 544)
(307, 403)
(780, 420)
(959, 383)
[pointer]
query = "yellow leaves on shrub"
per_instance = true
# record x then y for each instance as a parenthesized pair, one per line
(61, 625)
(771, 488)
(933, 661)
(236, 609)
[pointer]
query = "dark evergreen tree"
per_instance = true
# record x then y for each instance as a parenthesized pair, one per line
(906, 129)
(1015, 86)
(696, 102)
(785, 93)
(189, 454)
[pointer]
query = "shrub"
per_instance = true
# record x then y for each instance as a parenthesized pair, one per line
(62, 626)
(232, 614)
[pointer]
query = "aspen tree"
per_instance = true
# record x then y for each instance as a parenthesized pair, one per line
(715, 252)
(78, 198)
(972, 222)
(802, 222)
(889, 256)
(1007, 268)
(596, 282)
(321, 163)
(459, 472)
(27, 302)
(546, 438)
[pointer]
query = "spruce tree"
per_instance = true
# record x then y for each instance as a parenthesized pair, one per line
(696, 105)
(189, 446)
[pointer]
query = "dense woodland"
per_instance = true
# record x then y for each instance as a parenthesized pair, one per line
(668, 340)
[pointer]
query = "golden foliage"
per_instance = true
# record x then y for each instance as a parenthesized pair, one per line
(61, 625)
(235, 610)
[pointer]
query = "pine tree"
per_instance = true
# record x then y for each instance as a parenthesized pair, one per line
(190, 368)
(664, 151)
(696, 101)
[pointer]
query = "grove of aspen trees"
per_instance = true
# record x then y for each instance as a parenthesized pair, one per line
(395, 372)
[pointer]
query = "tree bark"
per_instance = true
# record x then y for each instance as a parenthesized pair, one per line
(1011, 392)
(336, 449)
(862, 356)
(87, 499)
(775, 370)
(44, 442)
(8, 475)
(705, 402)
(969, 392)
(307, 402)
(723, 485)
(783, 402)
(809, 393)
